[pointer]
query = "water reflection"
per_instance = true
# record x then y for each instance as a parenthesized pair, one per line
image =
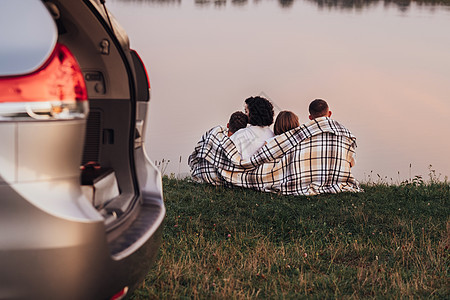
(357, 5)
(403, 5)
(384, 72)
(158, 2)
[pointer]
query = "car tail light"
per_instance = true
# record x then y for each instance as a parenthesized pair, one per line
(55, 91)
(143, 67)
(121, 294)
(142, 80)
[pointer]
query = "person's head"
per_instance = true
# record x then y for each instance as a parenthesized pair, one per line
(237, 121)
(285, 121)
(319, 108)
(259, 111)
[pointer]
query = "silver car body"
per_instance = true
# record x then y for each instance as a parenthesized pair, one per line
(61, 238)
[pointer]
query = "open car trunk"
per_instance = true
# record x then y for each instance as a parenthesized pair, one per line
(116, 175)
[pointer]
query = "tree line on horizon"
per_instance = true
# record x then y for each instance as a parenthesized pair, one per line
(339, 4)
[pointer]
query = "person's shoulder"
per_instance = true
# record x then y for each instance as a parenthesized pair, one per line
(240, 134)
(327, 124)
(267, 132)
(323, 120)
(260, 129)
(247, 131)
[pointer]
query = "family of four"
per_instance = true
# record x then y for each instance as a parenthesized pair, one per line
(307, 159)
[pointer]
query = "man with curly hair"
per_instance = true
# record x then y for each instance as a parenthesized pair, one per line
(260, 116)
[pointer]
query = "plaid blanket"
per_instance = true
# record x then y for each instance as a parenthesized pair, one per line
(308, 160)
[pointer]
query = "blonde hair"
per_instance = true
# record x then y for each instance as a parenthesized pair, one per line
(286, 120)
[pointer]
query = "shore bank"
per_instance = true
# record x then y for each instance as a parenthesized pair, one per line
(390, 241)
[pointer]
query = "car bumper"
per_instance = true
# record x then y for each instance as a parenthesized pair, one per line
(45, 256)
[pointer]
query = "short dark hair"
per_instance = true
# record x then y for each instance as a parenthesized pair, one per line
(237, 121)
(260, 111)
(285, 121)
(318, 108)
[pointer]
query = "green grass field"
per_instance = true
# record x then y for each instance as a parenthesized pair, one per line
(392, 241)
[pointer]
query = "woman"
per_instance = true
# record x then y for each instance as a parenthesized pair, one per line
(260, 116)
(286, 120)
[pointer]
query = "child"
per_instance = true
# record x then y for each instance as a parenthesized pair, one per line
(286, 120)
(237, 121)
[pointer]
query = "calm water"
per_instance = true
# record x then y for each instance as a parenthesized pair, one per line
(384, 70)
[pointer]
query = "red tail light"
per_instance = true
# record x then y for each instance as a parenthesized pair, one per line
(143, 67)
(55, 91)
(120, 295)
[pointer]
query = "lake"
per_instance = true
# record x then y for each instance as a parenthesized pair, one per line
(384, 69)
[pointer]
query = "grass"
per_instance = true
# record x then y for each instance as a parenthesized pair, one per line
(392, 241)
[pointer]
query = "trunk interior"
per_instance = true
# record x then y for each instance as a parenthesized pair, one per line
(107, 163)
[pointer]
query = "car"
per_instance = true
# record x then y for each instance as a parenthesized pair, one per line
(81, 205)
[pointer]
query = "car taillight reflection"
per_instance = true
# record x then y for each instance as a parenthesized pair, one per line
(55, 91)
